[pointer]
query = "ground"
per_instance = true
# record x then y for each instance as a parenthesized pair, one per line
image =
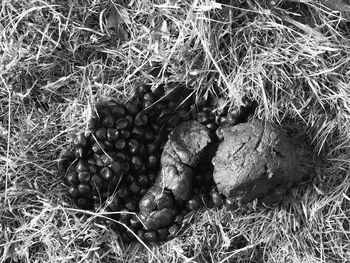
(58, 58)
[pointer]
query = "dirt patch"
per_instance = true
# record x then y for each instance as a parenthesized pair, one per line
(258, 160)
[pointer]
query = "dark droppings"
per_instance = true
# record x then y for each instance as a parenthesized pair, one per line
(153, 156)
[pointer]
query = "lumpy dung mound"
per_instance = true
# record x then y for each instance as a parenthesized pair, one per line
(258, 160)
(151, 160)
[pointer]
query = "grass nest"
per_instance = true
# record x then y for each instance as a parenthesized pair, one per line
(59, 58)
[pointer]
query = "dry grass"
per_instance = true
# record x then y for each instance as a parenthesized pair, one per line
(59, 57)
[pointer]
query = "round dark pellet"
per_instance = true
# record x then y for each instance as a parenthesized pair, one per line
(217, 119)
(98, 147)
(73, 191)
(133, 146)
(131, 204)
(211, 115)
(80, 140)
(143, 180)
(120, 144)
(140, 234)
(130, 120)
(96, 181)
(116, 204)
(79, 152)
(174, 229)
(84, 176)
(223, 120)
(231, 119)
(131, 107)
(148, 135)
(149, 97)
(82, 165)
(125, 166)
(211, 126)
(106, 173)
(125, 133)
(108, 121)
(194, 203)
(106, 159)
(112, 134)
(123, 192)
(138, 132)
(135, 222)
(122, 123)
(99, 162)
(141, 119)
(118, 111)
(150, 236)
(83, 202)
(217, 199)
(142, 149)
(151, 148)
(156, 127)
(93, 168)
(91, 161)
(152, 162)
(174, 121)
(125, 215)
(121, 155)
(134, 188)
(202, 118)
(136, 162)
(152, 176)
(179, 218)
(101, 134)
(129, 178)
(72, 177)
(109, 145)
(147, 104)
(103, 112)
(116, 167)
(219, 133)
(231, 204)
(142, 89)
(84, 190)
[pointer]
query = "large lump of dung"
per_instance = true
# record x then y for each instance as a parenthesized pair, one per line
(173, 185)
(259, 161)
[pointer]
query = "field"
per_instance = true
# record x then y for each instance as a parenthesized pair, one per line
(58, 58)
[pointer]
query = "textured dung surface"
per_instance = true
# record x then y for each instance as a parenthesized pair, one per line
(187, 142)
(180, 155)
(157, 208)
(174, 182)
(256, 158)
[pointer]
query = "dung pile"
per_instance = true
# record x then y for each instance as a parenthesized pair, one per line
(149, 159)
(259, 161)
(116, 162)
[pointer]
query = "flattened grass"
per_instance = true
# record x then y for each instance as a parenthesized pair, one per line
(58, 58)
